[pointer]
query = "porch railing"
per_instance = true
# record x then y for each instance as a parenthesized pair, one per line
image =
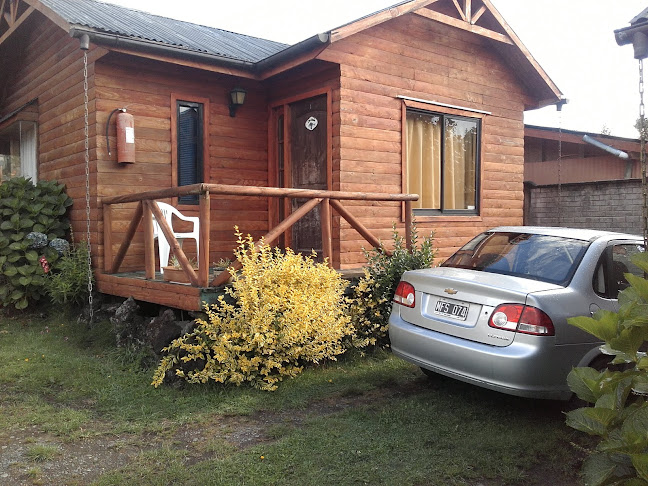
(147, 208)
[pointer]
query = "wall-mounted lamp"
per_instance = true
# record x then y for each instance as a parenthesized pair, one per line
(237, 98)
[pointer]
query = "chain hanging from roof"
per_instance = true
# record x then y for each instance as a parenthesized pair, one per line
(642, 135)
(84, 47)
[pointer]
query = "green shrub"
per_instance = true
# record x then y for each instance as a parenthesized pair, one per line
(67, 283)
(27, 208)
(372, 296)
(287, 311)
(620, 412)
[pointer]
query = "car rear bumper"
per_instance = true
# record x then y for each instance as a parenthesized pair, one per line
(531, 366)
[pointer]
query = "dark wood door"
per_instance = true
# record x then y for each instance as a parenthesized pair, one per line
(308, 143)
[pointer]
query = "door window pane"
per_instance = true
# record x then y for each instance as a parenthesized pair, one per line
(190, 147)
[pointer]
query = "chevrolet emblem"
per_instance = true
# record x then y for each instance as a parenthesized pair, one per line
(450, 291)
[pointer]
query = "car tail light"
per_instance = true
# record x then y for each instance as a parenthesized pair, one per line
(522, 318)
(405, 294)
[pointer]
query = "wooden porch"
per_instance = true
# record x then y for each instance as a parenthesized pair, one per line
(148, 285)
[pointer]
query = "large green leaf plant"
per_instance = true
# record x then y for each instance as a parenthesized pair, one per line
(27, 208)
(619, 415)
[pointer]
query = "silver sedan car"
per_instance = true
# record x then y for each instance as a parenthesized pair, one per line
(495, 313)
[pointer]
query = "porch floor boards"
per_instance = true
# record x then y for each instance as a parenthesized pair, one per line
(171, 294)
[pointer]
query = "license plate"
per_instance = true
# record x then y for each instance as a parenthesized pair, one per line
(457, 311)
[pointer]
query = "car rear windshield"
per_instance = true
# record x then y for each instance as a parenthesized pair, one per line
(539, 257)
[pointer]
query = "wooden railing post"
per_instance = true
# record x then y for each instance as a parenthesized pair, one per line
(272, 235)
(408, 225)
(128, 238)
(355, 223)
(173, 243)
(203, 256)
(327, 239)
(107, 240)
(149, 243)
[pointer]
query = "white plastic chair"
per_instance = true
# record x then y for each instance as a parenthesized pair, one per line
(163, 245)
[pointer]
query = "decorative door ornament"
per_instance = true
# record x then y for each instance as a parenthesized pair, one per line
(311, 123)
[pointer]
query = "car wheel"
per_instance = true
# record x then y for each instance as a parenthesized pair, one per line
(600, 363)
(429, 373)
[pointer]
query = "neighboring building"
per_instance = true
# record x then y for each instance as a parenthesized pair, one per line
(425, 97)
(570, 182)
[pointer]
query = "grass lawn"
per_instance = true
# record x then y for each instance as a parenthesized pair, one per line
(76, 410)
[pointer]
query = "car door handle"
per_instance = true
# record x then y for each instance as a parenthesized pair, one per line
(593, 309)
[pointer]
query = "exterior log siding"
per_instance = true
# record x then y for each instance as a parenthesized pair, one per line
(413, 57)
(237, 152)
(48, 68)
(363, 74)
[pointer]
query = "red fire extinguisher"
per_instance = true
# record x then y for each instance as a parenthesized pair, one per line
(125, 124)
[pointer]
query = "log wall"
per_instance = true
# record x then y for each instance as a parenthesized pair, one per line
(237, 152)
(49, 69)
(412, 56)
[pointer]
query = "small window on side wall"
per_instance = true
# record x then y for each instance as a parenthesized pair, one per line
(442, 163)
(189, 146)
(18, 151)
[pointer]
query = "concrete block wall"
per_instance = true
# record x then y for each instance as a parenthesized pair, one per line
(610, 205)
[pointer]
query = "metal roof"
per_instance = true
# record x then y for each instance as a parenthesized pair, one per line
(138, 25)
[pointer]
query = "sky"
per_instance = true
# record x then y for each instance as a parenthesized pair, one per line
(573, 40)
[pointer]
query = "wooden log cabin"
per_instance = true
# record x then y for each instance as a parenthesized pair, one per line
(415, 111)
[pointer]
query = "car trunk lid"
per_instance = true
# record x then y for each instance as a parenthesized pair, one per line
(459, 302)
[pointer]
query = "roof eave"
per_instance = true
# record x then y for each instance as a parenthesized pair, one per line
(117, 41)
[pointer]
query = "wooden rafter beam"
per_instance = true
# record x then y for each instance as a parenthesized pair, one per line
(2, 8)
(378, 18)
(460, 10)
(467, 9)
(16, 24)
(445, 19)
(478, 15)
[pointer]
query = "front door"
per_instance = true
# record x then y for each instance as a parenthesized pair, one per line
(308, 167)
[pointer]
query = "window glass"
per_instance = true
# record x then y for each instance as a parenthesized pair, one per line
(18, 151)
(442, 161)
(609, 277)
(539, 257)
(190, 147)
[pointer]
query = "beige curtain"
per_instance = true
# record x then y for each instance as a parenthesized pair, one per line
(459, 164)
(424, 159)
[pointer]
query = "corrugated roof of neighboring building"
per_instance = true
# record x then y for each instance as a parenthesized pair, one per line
(114, 19)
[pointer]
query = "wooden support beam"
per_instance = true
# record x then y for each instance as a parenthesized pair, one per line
(378, 18)
(107, 240)
(460, 10)
(234, 190)
(224, 276)
(149, 243)
(445, 19)
(14, 25)
(128, 238)
(467, 10)
(408, 225)
(357, 225)
(327, 238)
(173, 243)
(203, 254)
(478, 15)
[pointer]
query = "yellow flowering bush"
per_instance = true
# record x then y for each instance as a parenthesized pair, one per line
(282, 311)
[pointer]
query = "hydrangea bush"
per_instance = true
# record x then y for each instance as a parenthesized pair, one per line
(30, 215)
(282, 311)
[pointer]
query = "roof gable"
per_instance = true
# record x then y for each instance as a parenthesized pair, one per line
(138, 32)
(479, 17)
